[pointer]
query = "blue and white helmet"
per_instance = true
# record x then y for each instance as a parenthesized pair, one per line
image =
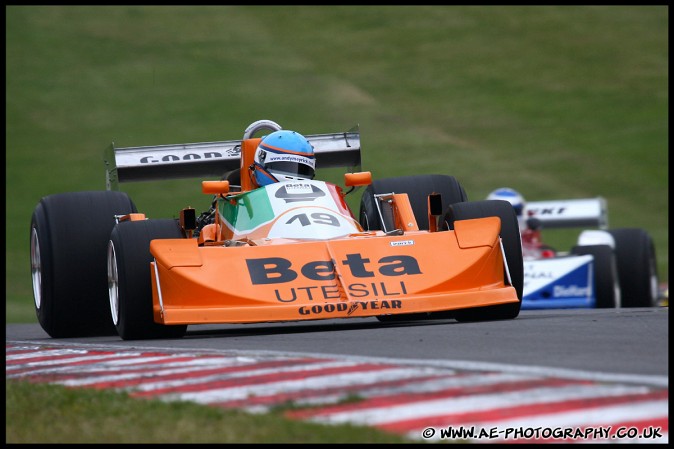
(283, 156)
(510, 195)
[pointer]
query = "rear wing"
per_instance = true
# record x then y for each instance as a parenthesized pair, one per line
(588, 212)
(210, 159)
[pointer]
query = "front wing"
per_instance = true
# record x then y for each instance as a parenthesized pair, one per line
(367, 274)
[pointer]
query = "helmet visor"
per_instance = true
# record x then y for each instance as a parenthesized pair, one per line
(288, 168)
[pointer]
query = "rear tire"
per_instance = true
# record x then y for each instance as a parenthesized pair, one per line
(69, 234)
(129, 278)
(637, 267)
(512, 246)
(606, 287)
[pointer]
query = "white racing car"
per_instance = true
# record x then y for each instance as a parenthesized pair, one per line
(606, 268)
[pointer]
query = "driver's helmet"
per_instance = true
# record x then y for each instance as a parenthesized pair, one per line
(283, 156)
(514, 198)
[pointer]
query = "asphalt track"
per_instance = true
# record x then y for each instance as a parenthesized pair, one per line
(625, 341)
(577, 370)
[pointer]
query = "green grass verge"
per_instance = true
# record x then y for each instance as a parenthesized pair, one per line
(41, 413)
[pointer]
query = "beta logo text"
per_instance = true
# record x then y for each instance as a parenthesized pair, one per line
(277, 270)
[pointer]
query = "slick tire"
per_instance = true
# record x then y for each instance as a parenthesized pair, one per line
(512, 246)
(129, 278)
(69, 235)
(606, 286)
(417, 188)
(637, 267)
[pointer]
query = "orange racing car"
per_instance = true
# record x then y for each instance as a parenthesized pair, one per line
(287, 251)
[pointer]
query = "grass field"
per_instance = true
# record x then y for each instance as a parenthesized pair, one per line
(555, 101)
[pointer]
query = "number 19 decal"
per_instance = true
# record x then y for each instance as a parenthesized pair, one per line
(316, 217)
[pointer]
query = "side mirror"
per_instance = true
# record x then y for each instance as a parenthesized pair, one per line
(363, 178)
(215, 187)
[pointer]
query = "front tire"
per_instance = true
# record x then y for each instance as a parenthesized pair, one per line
(637, 267)
(129, 277)
(69, 233)
(512, 247)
